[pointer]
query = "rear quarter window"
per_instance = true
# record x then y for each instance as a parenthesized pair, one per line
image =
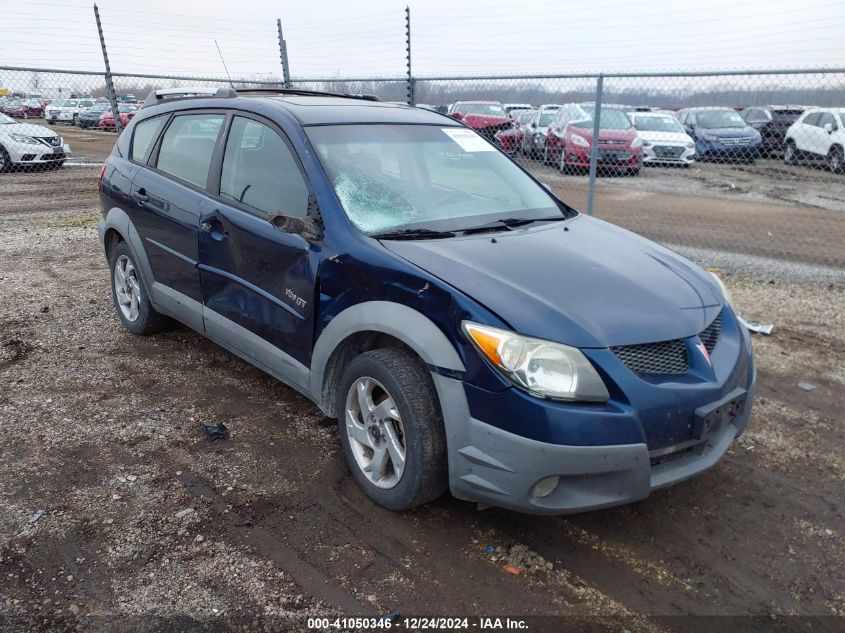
(144, 135)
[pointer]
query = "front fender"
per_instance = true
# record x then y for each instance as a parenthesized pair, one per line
(400, 321)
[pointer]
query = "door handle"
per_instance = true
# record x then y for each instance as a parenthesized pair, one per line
(213, 227)
(141, 196)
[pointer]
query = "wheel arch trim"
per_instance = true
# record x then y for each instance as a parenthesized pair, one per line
(404, 323)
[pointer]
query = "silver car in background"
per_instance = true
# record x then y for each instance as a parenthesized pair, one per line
(28, 145)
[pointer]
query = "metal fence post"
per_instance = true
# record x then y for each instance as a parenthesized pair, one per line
(410, 79)
(109, 84)
(594, 147)
(283, 52)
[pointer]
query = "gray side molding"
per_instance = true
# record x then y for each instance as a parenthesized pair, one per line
(406, 324)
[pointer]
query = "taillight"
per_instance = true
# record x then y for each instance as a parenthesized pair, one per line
(100, 177)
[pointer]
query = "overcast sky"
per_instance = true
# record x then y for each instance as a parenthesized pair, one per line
(366, 37)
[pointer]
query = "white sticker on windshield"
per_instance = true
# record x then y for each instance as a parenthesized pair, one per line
(468, 140)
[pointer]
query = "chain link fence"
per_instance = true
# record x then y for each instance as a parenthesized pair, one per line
(737, 169)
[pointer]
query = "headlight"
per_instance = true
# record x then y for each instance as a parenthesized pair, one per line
(690, 145)
(725, 293)
(647, 143)
(710, 138)
(543, 368)
(637, 142)
(23, 138)
(580, 141)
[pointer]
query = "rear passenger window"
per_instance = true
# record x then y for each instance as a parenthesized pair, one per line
(812, 118)
(260, 172)
(188, 145)
(143, 137)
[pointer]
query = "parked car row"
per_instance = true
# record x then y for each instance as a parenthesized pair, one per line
(630, 137)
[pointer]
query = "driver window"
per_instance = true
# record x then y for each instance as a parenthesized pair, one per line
(260, 172)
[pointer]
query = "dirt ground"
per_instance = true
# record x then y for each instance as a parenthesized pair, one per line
(115, 514)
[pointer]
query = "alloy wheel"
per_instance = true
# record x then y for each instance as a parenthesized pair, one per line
(375, 431)
(834, 162)
(127, 288)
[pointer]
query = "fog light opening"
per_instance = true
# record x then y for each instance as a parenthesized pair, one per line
(546, 486)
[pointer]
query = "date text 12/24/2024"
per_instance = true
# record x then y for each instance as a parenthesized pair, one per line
(417, 624)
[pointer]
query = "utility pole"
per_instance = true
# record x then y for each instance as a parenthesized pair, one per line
(109, 83)
(594, 149)
(283, 52)
(411, 99)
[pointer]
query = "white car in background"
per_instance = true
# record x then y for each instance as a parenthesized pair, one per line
(513, 108)
(819, 135)
(664, 139)
(25, 144)
(67, 110)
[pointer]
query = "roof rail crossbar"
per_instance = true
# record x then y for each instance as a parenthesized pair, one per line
(305, 93)
(157, 96)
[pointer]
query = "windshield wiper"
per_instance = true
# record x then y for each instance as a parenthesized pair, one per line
(509, 223)
(412, 234)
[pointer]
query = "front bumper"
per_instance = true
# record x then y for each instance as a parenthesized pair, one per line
(669, 154)
(63, 116)
(29, 154)
(495, 466)
(611, 157)
(718, 149)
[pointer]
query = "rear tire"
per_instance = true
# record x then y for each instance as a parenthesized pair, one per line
(790, 153)
(389, 420)
(130, 297)
(835, 160)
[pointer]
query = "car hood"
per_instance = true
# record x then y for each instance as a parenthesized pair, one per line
(665, 137)
(605, 134)
(483, 120)
(582, 282)
(29, 129)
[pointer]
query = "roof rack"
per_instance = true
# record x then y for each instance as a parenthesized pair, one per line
(172, 94)
(306, 93)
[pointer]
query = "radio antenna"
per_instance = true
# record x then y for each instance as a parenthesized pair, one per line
(219, 52)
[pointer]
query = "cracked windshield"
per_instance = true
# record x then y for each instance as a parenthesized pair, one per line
(394, 177)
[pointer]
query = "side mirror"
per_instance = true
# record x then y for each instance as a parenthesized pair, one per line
(828, 127)
(306, 227)
(457, 116)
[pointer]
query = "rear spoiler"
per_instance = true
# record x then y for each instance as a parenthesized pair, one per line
(169, 94)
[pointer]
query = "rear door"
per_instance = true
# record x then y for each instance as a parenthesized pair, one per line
(825, 137)
(168, 197)
(258, 283)
(805, 134)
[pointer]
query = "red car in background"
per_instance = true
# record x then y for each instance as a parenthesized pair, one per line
(485, 117)
(570, 140)
(510, 140)
(124, 112)
(24, 109)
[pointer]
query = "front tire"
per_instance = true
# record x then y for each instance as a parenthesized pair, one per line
(5, 160)
(130, 297)
(391, 429)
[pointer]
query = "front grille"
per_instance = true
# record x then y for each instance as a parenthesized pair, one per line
(711, 334)
(604, 141)
(666, 357)
(613, 155)
(740, 140)
(668, 151)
